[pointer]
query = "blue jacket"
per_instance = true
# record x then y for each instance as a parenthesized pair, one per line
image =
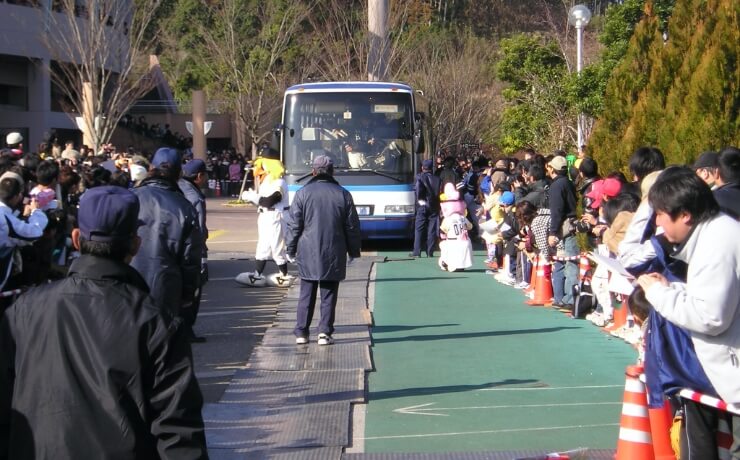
(670, 359)
(324, 228)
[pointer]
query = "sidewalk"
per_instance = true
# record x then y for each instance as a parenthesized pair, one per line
(448, 376)
(295, 401)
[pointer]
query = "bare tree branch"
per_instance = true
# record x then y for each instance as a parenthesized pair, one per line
(101, 45)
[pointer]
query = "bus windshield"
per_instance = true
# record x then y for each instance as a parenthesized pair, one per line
(360, 131)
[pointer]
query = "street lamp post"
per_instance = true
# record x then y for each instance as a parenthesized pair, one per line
(578, 17)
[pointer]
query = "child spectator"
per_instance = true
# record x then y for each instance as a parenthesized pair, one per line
(44, 192)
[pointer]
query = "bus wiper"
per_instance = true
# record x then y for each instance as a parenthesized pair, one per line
(379, 173)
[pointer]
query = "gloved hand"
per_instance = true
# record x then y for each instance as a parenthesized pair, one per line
(291, 259)
(203, 271)
(250, 196)
(421, 202)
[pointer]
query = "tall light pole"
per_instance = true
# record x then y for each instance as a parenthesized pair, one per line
(578, 17)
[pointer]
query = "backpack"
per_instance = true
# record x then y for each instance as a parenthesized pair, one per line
(584, 300)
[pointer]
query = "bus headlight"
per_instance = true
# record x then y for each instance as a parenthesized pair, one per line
(399, 209)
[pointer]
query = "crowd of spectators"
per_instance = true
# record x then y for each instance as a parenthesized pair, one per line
(51, 180)
(668, 228)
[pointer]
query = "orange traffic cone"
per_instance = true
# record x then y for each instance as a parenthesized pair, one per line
(218, 188)
(619, 317)
(584, 265)
(661, 421)
(635, 441)
(529, 292)
(543, 284)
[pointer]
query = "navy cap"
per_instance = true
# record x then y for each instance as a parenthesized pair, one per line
(193, 167)
(108, 213)
(166, 155)
(427, 165)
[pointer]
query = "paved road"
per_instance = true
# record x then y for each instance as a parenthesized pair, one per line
(232, 318)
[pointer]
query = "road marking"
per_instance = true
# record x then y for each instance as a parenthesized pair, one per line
(423, 409)
(508, 430)
(550, 388)
(231, 242)
(215, 234)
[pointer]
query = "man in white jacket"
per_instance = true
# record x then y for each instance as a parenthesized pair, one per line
(708, 304)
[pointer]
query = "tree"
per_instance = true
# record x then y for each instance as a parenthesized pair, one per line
(101, 51)
(456, 76)
(539, 113)
(341, 42)
(681, 95)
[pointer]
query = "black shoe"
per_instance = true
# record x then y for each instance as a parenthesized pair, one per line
(414, 256)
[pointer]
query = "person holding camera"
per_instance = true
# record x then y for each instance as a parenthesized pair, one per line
(15, 232)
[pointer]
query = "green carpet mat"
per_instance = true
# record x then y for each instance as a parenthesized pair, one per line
(462, 364)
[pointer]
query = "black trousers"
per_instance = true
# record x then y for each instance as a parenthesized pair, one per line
(426, 230)
(328, 291)
(699, 431)
(189, 310)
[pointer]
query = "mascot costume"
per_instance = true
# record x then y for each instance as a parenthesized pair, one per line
(456, 250)
(272, 202)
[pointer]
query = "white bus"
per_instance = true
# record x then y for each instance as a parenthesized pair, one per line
(376, 133)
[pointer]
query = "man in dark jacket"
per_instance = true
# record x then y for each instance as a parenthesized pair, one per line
(562, 204)
(324, 228)
(194, 178)
(426, 226)
(90, 366)
(172, 245)
(448, 173)
(728, 192)
(537, 187)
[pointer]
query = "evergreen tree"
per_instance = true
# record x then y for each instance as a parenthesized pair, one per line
(681, 95)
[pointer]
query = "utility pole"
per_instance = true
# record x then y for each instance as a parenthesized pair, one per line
(199, 118)
(377, 24)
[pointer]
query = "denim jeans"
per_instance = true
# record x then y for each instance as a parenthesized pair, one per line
(565, 274)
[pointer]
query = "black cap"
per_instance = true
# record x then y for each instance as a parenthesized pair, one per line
(108, 213)
(707, 160)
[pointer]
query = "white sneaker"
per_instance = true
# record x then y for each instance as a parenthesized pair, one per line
(250, 279)
(601, 320)
(278, 280)
(301, 340)
(505, 278)
(522, 285)
(325, 339)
